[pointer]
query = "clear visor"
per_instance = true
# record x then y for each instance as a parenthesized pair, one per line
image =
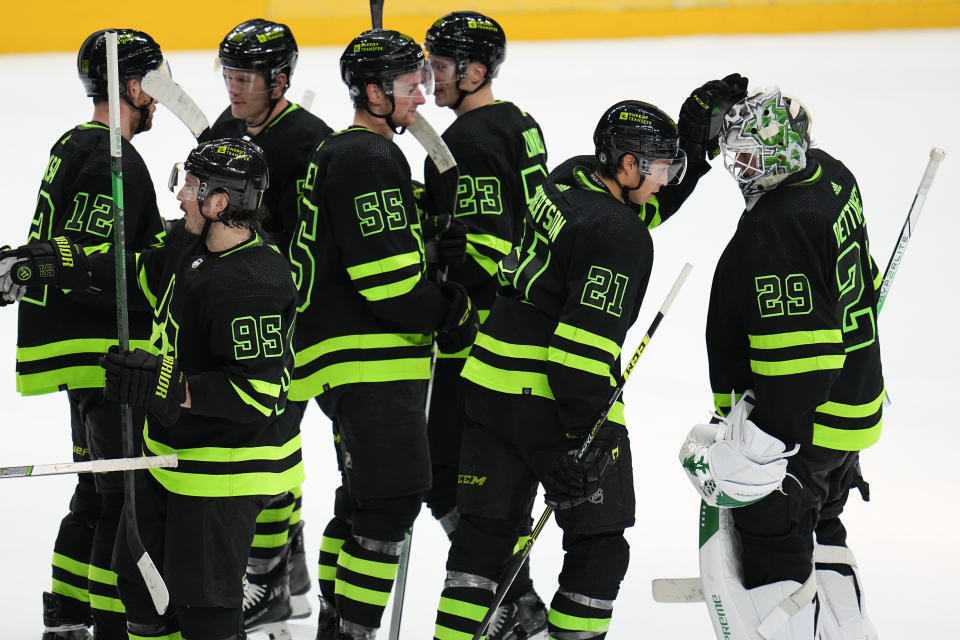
(244, 81)
(664, 171)
(743, 162)
(418, 81)
(444, 70)
(188, 184)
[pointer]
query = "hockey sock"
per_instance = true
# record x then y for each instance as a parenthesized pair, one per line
(297, 493)
(574, 616)
(464, 602)
(334, 536)
(105, 605)
(270, 537)
(366, 569)
(71, 554)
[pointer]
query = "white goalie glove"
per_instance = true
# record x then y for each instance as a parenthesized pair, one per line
(733, 462)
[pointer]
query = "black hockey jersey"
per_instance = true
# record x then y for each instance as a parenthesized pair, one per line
(793, 313)
(287, 143)
(572, 289)
(502, 160)
(228, 319)
(366, 307)
(59, 337)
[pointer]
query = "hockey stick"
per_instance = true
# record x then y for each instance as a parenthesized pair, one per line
(151, 577)
(936, 157)
(160, 86)
(521, 557)
(376, 14)
(89, 466)
(691, 589)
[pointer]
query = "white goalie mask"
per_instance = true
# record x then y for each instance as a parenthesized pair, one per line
(764, 138)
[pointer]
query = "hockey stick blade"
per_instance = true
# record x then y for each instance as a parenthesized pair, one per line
(430, 140)
(677, 590)
(89, 466)
(161, 86)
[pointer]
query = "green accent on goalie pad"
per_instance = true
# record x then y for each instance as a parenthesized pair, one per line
(709, 522)
(576, 623)
(462, 609)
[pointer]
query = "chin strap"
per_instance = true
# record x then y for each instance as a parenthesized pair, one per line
(143, 110)
(461, 93)
(273, 105)
(388, 116)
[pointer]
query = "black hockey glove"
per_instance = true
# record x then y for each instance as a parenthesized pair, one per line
(569, 482)
(142, 379)
(702, 114)
(57, 262)
(461, 324)
(445, 240)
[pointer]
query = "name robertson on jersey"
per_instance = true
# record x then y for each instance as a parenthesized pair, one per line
(546, 214)
(851, 217)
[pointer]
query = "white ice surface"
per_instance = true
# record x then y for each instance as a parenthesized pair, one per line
(879, 101)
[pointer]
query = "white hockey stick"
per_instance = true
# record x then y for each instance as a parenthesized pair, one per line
(691, 589)
(89, 466)
(161, 87)
(307, 100)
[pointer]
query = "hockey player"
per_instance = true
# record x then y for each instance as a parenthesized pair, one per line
(258, 58)
(76, 201)
(792, 318)
(358, 250)
(502, 160)
(223, 306)
(543, 367)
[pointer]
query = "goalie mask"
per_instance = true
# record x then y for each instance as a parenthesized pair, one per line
(232, 166)
(764, 138)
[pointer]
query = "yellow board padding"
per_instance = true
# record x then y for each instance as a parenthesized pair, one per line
(178, 24)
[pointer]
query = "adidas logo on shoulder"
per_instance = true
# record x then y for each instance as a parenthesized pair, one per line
(836, 188)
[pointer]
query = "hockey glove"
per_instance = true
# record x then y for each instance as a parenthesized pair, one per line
(57, 262)
(141, 379)
(445, 240)
(461, 324)
(569, 483)
(702, 114)
(10, 291)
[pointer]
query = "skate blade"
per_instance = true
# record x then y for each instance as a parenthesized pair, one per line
(301, 607)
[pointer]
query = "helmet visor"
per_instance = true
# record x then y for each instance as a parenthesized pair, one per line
(664, 171)
(188, 183)
(244, 81)
(407, 85)
(444, 70)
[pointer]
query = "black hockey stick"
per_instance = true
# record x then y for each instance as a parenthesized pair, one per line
(376, 14)
(521, 557)
(151, 576)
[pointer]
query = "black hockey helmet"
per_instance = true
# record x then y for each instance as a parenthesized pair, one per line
(468, 36)
(378, 56)
(234, 166)
(137, 54)
(261, 45)
(643, 131)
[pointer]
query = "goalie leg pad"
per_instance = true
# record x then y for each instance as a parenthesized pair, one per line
(840, 590)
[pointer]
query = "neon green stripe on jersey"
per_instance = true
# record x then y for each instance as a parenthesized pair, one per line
(799, 365)
(510, 350)
(361, 341)
(341, 373)
(485, 262)
(226, 454)
(588, 338)
(206, 485)
(386, 265)
(71, 347)
(581, 363)
(173, 636)
(846, 439)
(392, 290)
(721, 402)
(247, 399)
(843, 410)
(504, 381)
(796, 339)
(144, 285)
(266, 388)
